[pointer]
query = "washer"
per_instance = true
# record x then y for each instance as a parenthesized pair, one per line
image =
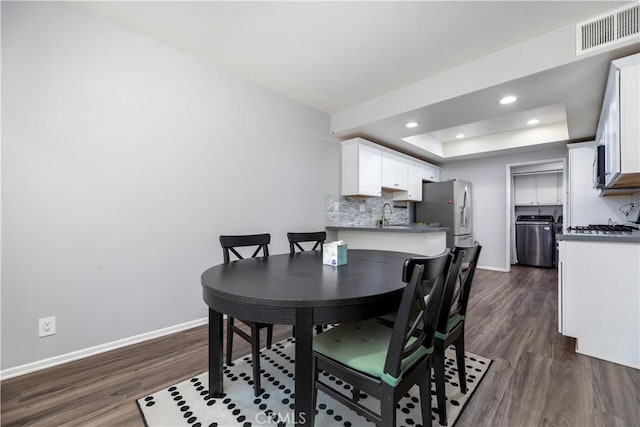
(535, 240)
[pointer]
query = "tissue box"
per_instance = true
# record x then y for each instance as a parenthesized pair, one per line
(334, 253)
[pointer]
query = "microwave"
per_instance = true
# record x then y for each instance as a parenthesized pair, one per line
(599, 167)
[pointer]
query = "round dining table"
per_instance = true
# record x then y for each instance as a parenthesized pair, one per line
(298, 289)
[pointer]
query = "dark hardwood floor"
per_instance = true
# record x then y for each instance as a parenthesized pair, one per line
(536, 379)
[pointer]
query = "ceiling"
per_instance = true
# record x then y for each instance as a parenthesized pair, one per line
(343, 58)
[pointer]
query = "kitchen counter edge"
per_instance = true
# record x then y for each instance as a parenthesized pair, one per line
(393, 228)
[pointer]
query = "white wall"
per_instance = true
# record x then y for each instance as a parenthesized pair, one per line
(123, 161)
(488, 176)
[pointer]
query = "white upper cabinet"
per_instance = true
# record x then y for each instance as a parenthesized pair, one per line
(367, 168)
(414, 184)
(361, 170)
(618, 128)
(394, 172)
(538, 189)
(430, 173)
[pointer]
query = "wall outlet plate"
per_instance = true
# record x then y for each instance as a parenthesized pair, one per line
(362, 208)
(46, 326)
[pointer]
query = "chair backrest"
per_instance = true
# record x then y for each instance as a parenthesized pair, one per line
(457, 296)
(230, 243)
(465, 277)
(296, 238)
(413, 327)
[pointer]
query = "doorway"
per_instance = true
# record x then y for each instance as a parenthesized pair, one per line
(533, 188)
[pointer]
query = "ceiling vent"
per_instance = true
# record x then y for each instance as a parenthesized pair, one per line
(607, 29)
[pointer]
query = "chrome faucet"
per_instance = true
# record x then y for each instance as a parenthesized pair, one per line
(385, 221)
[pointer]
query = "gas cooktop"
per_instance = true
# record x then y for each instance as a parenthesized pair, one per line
(603, 228)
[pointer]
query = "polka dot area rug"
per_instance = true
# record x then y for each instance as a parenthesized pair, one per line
(187, 403)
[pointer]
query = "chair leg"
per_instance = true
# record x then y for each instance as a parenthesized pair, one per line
(229, 339)
(269, 336)
(425, 398)
(255, 355)
(314, 397)
(459, 344)
(438, 368)
(387, 407)
(318, 329)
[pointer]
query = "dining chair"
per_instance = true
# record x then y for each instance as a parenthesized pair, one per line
(229, 246)
(318, 238)
(450, 328)
(386, 362)
(296, 238)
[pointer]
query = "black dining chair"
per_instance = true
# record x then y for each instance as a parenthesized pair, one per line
(450, 328)
(295, 239)
(386, 362)
(229, 246)
(317, 238)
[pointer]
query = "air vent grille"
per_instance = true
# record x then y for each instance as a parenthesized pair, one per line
(608, 29)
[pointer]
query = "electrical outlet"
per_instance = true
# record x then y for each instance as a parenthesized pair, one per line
(336, 206)
(46, 326)
(362, 208)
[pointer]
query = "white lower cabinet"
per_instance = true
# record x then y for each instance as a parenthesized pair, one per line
(599, 299)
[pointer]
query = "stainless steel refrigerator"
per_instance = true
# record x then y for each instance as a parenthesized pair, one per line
(449, 204)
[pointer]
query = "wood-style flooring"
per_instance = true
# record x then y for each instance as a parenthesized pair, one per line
(536, 379)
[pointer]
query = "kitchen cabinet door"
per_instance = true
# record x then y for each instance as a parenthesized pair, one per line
(599, 299)
(361, 170)
(548, 189)
(414, 185)
(394, 172)
(430, 173)
(525, 190)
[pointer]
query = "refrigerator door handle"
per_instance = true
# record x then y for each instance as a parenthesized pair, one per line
(464, 219)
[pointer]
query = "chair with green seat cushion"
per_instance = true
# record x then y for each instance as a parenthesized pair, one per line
(383, 362)
(450, 329)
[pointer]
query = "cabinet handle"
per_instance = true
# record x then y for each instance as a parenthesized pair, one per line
(396, 185)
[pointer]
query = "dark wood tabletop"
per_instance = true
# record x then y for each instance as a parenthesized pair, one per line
(299, 290)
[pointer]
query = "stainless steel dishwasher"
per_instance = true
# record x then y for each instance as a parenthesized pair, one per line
(535, 240)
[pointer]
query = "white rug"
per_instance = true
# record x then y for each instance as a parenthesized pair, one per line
(187, 403)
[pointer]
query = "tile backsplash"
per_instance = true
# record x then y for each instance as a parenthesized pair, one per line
(364, 211)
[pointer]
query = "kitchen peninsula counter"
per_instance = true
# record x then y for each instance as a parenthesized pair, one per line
(392, 228)
(417, 239)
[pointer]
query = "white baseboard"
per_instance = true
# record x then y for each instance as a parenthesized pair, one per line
(502, 270)
(91, 351)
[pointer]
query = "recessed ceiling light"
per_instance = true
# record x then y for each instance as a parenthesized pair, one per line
(411, 124)
(508, 99)
(460, 135)
(533, 122)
